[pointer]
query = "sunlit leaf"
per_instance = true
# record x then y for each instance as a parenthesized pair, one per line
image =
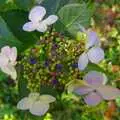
(73, 16)
(52, 6)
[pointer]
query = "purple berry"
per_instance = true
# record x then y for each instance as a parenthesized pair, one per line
(59, 67)
(75, 65)
(33, 61)
(55, 82)
(55, 46)
(47, 63)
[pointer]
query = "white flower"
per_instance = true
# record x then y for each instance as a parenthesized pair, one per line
(8, 58)
(94, 53)
(35, 103)
(36, 16)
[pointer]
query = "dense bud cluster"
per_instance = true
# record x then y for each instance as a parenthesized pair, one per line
(52, 61)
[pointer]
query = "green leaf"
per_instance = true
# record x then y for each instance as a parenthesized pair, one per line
(33, 117)
(72, 16)
(22, 83)
(44, 89)
(6, 36)
(2, 76)
(6, 109)
(95, 67)
(6, 5)
(75, 1)
(11, 32)
(52, 6)
(2, 2)
(118, 101)
(25, 4)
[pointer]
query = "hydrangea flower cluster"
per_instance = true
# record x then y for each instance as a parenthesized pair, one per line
(52, 61)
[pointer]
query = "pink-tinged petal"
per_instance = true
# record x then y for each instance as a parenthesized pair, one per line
(29, 26)
(75, 84)
(6, 51)
(92, 39)
(37, 14)
(95, 55)
(83, 61)
(3, 60)
(108, 92)
(51, 20)
(13, 55)
(95, 78)
(83, 90)
(42, 27)
(93, 99)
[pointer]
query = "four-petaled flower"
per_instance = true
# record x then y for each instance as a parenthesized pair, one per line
(37, 104)
(95, 89)
(8, 58)
(94, 53)
(36, 16)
